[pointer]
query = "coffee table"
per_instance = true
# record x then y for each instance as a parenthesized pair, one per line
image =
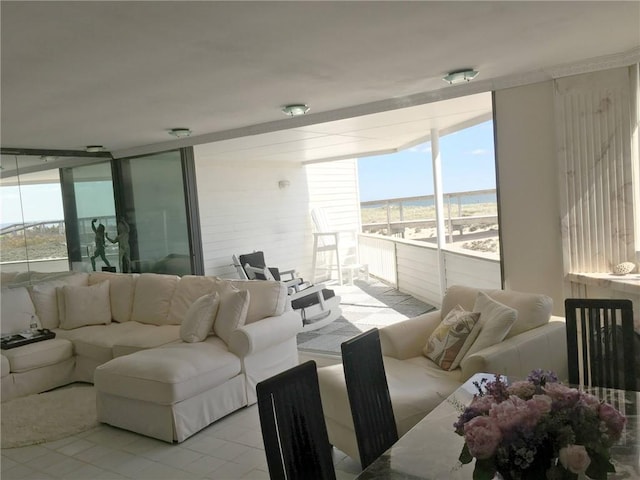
(430, 450)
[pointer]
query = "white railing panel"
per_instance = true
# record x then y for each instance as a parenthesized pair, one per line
(413, 267)
(472, 271)
(380, 254)
(418, 271)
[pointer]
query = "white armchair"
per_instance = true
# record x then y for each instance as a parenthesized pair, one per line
(417, 384)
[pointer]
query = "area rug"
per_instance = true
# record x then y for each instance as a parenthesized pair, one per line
(48, 416)
(327, 340)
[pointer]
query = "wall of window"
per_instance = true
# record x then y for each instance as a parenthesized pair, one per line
(87, 214)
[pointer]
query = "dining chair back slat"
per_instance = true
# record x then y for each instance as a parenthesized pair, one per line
(295, 436)
(601, 343)
(368, 392)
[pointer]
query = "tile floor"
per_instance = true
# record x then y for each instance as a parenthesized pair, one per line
(364, 306)
(231, 448)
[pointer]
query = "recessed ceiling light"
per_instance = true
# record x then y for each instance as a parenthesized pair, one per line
(295, 110)
(94, 148)
(48, 158)
(180, 132)
(460, 76)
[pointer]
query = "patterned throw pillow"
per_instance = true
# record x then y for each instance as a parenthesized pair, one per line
(446, 343)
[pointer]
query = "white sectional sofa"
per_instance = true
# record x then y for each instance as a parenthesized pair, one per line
(417, 384)
(126, 333)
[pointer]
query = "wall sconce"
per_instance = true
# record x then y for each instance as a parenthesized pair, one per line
(284, 184)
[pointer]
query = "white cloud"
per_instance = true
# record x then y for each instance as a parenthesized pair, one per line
(479, 151)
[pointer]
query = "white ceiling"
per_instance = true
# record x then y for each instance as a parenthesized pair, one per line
(121, 74)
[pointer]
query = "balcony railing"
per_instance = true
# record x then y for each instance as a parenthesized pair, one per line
(420, 270)
(399, 243)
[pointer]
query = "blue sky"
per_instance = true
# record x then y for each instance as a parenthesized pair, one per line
(467, 164)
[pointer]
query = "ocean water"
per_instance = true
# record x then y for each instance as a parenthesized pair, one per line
(429, 201)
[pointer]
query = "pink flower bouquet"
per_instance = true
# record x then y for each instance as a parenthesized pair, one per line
(537, 429)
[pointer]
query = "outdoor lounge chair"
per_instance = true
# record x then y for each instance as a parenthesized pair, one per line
(317, 305)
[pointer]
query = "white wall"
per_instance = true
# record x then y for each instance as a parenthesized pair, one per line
(527, 176)
(243, 209)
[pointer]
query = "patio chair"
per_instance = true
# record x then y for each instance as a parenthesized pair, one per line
(368, 392)
(317, 305)
(252, 266)
(603, 348)
(295, 437)
(340, 245)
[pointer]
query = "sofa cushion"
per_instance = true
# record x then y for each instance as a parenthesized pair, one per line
(5, 367)
(152, 298)
(45, 299)
(232, 312)
(452, 338)
(268, 298)
(189, 289)
(415, 390)
(39, 354)
(495, 322)
(199, 319)
(533, 309)
(169, 374)
(104, 342)
(16, 310)
(83, 306)
(121, 291)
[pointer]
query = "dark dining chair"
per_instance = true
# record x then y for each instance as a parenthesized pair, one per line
(368, 392)
(601, 343)
(295, 437)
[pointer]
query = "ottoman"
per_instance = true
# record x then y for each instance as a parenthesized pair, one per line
(170, 392)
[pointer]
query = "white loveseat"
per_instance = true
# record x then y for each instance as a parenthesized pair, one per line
(417, 384)
(147, 378)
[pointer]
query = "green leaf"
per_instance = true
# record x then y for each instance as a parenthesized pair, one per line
(484, 470)
(465, 455)
(599, 467)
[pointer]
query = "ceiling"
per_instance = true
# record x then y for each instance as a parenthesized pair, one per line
(122, 74)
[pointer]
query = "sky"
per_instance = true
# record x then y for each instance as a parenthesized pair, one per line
(467, 160)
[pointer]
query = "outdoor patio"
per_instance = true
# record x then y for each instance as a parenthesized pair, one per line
(364, 306)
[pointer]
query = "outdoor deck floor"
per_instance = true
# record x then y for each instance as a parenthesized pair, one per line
(364, 306)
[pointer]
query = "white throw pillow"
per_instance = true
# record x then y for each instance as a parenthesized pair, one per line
(232, 312)
(86, 306)
(495, 322)
(199, 318)
(450, 340)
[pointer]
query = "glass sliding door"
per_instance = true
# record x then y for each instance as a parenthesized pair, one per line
(90, 217)
(155, 205)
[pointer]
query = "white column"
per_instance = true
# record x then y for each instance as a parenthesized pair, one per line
(439, 204)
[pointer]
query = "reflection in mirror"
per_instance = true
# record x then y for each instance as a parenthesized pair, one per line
(33, 242)
(13, 245)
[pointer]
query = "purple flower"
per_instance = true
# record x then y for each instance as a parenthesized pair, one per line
(613, 420)
(483, 436)
(542, 377)
(563, 395)
(574, 458)
(522, 389)
(514, 413)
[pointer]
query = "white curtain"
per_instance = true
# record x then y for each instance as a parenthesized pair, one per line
(597, 123)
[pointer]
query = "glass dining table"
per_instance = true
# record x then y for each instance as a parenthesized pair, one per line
(430, 450)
